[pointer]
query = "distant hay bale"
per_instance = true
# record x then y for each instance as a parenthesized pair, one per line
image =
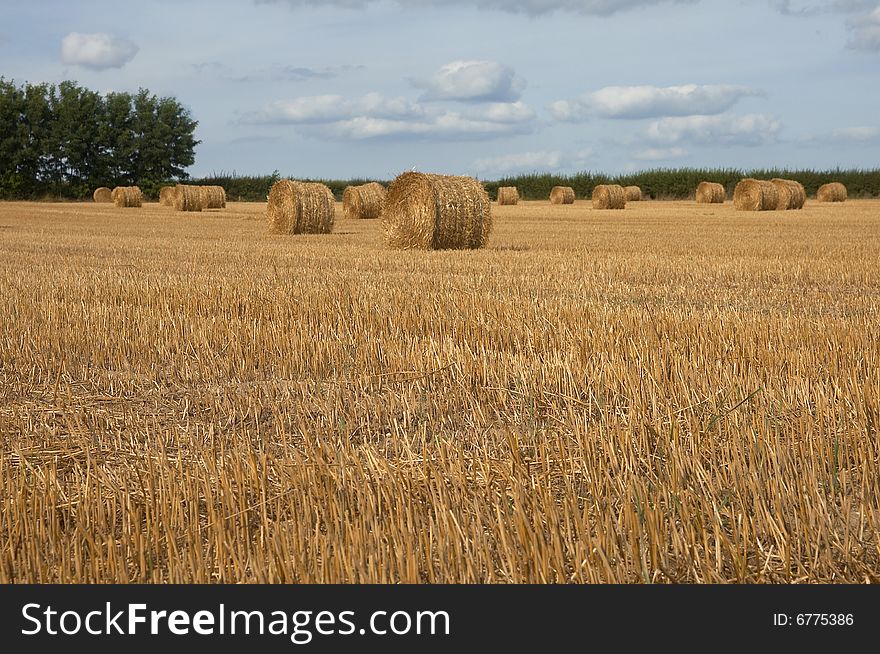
(102, 194)
(187, 198)
(363, 202)
(609, 196)
(562, 195)
(792, 195)
(633, 193)
(508, 195)
(166, 196)
(833, 192)
(436, 212)
(213, 197)
(755, 195)
(127, 196)
(711, 193)
(300, 208)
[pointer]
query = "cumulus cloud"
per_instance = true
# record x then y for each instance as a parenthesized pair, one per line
(864, 32)
(374, 116)
(638, 102)
(472, 81)
(97, 51)
(725, 129)
(531, 7)
(660, 154)
(534, 161)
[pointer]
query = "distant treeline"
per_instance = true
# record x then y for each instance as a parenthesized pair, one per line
(63, 141)
(660, 184)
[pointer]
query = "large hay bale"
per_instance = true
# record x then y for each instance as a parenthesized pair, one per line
(633, 193)
(300, 208)
(755, 195)
(102, 194)
(507, 195)
(792, 195)
(187, 198)
(127, 196)
(363, 202)
(166, 196)
(833, 192)
(562, 195)
(213, 197)
(711, 193)
(436, 212)
(609, 196)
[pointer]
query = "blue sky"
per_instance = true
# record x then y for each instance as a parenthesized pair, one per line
(483, 87)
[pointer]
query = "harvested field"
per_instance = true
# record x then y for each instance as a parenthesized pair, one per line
(675, 393)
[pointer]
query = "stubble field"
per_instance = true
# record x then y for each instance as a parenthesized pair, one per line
(674, 393)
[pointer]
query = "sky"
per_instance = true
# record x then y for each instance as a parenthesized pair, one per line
(370, 88)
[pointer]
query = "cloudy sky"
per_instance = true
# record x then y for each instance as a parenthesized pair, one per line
(484, 87)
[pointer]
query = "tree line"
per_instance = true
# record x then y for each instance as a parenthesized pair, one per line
(65, 140)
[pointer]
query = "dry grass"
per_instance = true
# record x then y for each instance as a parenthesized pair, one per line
(187, 198)
(633, 193)
(102, 194)
(300, 208)
(129, 197)
(212, 197)
(166, 196)
(677, 393)
(755, 195)
(609, 196)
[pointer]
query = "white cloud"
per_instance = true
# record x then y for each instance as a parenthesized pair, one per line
(472, 81)
(331, 108)
(864, 32)
(726, 129)
(532, 7)
(374, 116)
(856, 134)
(637, 102)
(660, 154)
(521, 162)
(96, 51)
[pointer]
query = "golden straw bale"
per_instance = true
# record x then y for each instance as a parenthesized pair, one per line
(127, 196)
(710, 193)
(187, 198)
(633, 193)
(436, 212)
(102, 194)
(508, 195)
(609, 196)
(166, 196)
(300, 208)
(755, 195)
(792, 195)
(213, 197)
(833, 192)
(562, 195)
(363, 202)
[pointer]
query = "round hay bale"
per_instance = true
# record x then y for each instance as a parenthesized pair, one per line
(436, 212)
(102, 194)
(508, 195)
(609, 196)
(562, 195)
(363, 202)
(710, 193)
(300, 208)
(833, 192)
(166, 196)
(127, 196)
(792, 195)
(755, 195)
(633, 193)
(187, 198)
(213, 197)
